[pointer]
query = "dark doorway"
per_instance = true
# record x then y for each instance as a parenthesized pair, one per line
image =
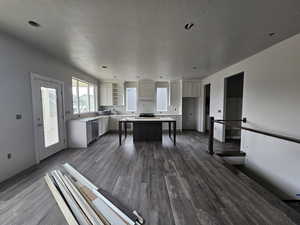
(189, 119)
(206, 107)
(234, 87)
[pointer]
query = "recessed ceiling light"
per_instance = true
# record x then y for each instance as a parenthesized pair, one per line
(104, 67)
(33, 23)
(188, 26)
(272, 34)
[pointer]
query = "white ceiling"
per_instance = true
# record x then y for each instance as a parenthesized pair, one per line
(147, 38)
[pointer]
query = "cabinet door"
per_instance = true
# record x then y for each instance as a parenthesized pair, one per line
(103, 95)
(187, 89)
(106, 123)
(113, 123)
(109, 94)
(175, 92)
(106, 97)
(100, 123)
(196, 89)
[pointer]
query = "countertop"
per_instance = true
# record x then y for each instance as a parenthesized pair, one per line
(148, 119)
(87, 119)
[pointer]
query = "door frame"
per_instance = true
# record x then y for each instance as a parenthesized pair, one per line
(225, 100)
(204, 105)
(34, 77)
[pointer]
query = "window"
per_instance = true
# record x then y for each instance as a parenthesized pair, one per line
(75, 96)
(131, 99)
(161, 99)
(84, 96)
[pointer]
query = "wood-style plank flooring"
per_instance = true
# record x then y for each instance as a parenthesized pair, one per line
(168, 185)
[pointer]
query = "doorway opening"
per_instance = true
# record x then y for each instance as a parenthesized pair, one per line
(234, 88)
(206, 108)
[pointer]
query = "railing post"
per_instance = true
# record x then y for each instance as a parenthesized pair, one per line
(211, 136)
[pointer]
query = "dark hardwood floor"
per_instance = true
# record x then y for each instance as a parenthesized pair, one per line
(167, 184)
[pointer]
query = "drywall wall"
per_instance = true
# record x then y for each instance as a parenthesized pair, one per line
(271, 102)
(18, 60)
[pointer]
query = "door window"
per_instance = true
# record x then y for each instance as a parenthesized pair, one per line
(50, 116)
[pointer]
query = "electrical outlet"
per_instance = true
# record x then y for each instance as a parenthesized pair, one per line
(18, 116)
(9, 155)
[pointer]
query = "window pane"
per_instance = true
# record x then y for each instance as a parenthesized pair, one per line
(83, 97)
(92, 98)
(50, 116)
(75, 96)
(162, 99)
(131, 99)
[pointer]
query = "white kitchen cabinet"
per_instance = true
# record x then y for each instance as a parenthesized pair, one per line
(118, 94)
(80, 131)
(106, 124)
(114, 122)
(111, 94)
(146, 90)
(175, 93)
(103, 125)
(106, 90)
(191, 89)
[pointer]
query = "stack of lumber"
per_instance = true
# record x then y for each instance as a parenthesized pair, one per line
(82, 203)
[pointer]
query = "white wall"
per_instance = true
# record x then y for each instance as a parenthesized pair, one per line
(17, 60)
(271, 103)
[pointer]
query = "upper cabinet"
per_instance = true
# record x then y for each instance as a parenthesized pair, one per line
(111, 94)
(191, 88)
(118, 93)
(146, 90)
(175, 92)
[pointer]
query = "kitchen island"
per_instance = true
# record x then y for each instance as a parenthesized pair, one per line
(147, 129)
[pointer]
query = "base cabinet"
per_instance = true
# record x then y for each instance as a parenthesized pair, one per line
(82, 132)
(103, 125)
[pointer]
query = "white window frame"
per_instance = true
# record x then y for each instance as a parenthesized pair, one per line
(162, 85)
(95, 96)
(126, 99)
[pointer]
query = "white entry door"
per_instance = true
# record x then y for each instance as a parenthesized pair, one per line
(49, 124)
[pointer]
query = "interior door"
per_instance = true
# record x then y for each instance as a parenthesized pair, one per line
(49, 122)
(188, 114)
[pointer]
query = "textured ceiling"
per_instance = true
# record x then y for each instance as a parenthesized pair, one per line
(147, 38)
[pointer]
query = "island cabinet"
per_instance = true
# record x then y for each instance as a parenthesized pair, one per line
(81, 132)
